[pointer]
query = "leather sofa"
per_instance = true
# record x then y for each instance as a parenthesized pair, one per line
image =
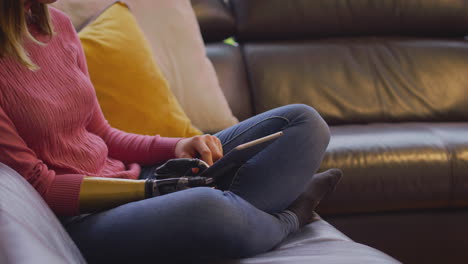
(31, 233)
(390, 78)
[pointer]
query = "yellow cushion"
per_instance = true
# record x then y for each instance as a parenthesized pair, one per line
(131, 90)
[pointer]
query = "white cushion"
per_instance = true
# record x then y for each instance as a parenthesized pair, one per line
(81, 11)
(172, 29)
(29, 230)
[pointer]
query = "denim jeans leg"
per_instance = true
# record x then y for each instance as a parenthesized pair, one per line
(274, 178)
(191, 225)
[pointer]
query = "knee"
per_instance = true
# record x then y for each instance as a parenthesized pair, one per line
(315, 125)
(204, 198)
(210, 204)
(227, 224)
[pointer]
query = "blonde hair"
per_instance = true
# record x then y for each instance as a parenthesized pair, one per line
(14, 21)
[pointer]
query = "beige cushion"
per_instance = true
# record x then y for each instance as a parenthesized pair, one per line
(81, 11)
(29, 230)
(172, 29)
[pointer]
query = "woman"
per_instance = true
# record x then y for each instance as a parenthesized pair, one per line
(52, 131)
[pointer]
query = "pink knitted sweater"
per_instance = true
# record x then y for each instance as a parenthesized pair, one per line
(52, 130)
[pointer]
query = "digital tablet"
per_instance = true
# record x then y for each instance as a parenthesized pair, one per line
(239, 155)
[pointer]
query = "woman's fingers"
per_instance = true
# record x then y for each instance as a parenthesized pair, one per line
(216, 151)
(209, 147)
(186, 155)
(201, 146)
(220, 146)
(205, 154)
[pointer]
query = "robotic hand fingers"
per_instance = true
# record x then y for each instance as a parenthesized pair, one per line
(176, 175)
(175, 168)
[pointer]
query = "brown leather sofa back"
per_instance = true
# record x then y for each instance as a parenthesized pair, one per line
(354, 61)
(363, 80)
(362, 72)
(259, 20)
(215, 19)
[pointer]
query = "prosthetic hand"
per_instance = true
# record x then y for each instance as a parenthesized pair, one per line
(98, 193)
(176, 175)
(160, 187)
(180, 167)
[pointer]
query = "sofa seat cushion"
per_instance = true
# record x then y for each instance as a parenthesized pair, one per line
(318, 242)
(398, 166)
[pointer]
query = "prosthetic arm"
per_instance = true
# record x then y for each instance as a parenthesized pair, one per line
(98, 193)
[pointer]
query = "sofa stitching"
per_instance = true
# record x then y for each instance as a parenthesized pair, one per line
(450, 157)
(374, 75)
(248, 77)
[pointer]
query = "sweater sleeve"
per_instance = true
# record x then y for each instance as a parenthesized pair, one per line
(61, 192)
(131, 148)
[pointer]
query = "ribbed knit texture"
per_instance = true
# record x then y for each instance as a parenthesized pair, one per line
(52, 130)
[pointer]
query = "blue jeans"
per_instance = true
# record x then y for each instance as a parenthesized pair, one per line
(246, 218)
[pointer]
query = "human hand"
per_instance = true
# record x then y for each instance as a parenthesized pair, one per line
(206, 147)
